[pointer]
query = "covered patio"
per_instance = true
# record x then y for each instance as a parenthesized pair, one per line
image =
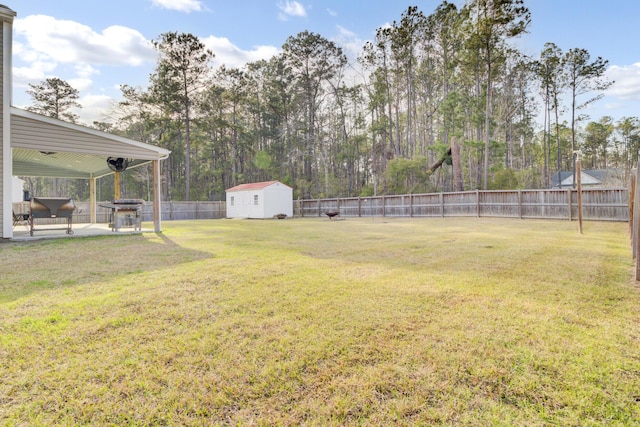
(46, 147)
(39, 146)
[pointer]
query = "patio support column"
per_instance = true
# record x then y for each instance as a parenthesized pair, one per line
(157, 195)
(92, 199)
(116, 185)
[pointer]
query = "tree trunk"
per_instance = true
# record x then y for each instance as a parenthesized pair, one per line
(457, 168)
(487, 124)
(187, 154)
(434, 167)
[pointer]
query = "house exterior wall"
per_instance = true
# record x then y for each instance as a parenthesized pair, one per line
(260, 203)
(6, 171)
(5, 152)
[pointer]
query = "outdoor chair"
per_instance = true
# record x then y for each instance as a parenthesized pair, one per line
(21, 219)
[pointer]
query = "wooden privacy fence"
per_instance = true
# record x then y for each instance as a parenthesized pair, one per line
(170, 211)
(601, 204)
(173, 211)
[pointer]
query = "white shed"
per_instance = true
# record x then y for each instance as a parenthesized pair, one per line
(259, 200)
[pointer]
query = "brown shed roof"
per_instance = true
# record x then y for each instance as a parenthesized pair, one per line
(254, 186)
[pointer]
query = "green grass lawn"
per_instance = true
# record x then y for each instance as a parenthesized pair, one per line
(315, 322)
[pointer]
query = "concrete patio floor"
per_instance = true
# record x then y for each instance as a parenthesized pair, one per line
(58, 231)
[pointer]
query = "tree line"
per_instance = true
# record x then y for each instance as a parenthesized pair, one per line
(438, 102)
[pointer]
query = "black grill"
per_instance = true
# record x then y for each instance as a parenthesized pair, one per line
(51, 208)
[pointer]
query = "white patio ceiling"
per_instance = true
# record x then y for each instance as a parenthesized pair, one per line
(46, 147)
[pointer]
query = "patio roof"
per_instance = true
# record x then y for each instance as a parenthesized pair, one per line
(47, 147)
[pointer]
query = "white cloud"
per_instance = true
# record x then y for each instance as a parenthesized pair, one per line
(94, 108)
(627, 81)
(332, 12)
(349, 41)
(179, 5)
(81, 84)
(93, 61)
(86, 70)
(232, 56)
(36, 71)
(48, 47)
(291, 8)
(63, 41)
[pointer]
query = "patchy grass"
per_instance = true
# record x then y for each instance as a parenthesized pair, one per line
(316, 322)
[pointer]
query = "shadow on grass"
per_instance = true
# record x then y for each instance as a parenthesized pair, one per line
(32, 267)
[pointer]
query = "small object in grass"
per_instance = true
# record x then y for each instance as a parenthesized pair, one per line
(280, 216)
(331, 214)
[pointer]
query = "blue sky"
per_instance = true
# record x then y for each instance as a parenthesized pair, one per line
(98, 45)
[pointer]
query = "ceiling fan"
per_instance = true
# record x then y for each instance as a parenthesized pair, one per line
(117, 164)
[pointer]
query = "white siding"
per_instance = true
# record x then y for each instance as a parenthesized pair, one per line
(44, 135)
(274, 199)
(3, 149)
(6, 25)
(278, 199)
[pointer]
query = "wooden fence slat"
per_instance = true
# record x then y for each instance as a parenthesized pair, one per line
(602, 204)
(605, 204)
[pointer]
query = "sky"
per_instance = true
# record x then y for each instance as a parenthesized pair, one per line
(96, 46)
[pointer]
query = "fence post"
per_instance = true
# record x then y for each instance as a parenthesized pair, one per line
(410, 205)
(441, 197)
(636, 221)
(520, 203)
(478, 203)
(632, 194)
(570, 204)
(579, 178)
